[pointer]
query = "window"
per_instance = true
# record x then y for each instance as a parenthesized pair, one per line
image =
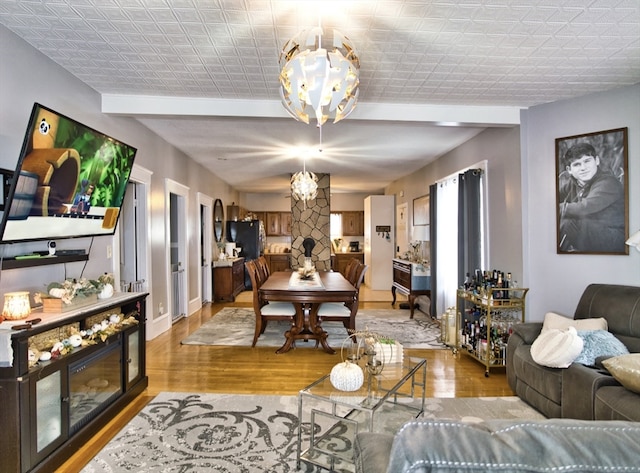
(335, 222)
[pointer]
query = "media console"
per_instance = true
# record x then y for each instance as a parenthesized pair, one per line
(48, 410)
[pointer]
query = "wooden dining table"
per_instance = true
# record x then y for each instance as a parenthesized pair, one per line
(327, 286)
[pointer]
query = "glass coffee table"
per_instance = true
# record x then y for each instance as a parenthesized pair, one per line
(331, 418)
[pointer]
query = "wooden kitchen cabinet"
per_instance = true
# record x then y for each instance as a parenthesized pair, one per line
(278, 262)
(352, 223)
(285, 223)
(228, 280)
(278, 223)
(341, 260)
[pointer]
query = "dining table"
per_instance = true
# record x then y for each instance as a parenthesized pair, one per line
(306, 294)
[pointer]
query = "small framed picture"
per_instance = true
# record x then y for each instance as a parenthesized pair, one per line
(421, 210)
(592, 204)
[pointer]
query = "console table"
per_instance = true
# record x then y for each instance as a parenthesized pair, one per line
(49, 409)
(412, 280)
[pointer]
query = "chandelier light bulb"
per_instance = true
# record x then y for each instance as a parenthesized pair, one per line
(317, 82)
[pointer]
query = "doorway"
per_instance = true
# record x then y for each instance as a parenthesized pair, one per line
(206, 245)
(132, 245)
(176, 197)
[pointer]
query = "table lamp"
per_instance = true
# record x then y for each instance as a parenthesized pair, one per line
(16, 305)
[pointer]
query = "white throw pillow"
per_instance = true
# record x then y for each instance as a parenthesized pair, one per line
(556, 348)
(557, 321)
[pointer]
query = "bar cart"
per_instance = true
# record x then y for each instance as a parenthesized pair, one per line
(484, 322)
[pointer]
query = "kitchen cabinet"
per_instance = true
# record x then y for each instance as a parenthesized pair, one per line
(340, 260)
(50, 408)
(285, 223)
(278, 261)
(278, 224)
(228, 279)
(352, 223)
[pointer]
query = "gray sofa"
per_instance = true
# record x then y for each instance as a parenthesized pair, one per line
(565, 445)
(579, 391)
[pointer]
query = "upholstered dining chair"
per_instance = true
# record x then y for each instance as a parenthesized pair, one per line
(341, 312)
(266, 311)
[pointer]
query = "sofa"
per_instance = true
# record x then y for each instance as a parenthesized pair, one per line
(566, 445)
(580, 391)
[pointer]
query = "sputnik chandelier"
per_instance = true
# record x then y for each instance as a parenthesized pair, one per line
(319, 82)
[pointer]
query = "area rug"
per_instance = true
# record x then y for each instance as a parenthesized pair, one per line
(236, 326)
(185, 432)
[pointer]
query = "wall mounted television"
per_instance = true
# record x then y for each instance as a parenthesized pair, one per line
(69, 182)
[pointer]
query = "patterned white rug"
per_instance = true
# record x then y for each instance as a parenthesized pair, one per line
(236, 325)
(184, 432)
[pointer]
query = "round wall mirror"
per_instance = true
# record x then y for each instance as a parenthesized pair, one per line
(218, 220)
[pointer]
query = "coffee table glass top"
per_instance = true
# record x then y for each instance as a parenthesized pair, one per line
(383, 403)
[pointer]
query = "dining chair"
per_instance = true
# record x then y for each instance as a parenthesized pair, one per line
(345, 312)
(266, 311)
(263, 266)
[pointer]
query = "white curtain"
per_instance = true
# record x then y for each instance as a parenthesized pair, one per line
(447, 249)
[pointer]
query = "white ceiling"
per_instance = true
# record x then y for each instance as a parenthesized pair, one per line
(203, 74)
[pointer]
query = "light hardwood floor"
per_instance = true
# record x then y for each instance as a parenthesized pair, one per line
(244, 370)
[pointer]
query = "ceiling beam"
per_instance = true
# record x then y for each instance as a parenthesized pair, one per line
(445, 115)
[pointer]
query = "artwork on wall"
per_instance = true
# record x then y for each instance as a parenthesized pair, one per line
(592, 205)
(421, 210)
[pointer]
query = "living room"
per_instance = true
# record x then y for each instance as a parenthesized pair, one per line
(521, 170)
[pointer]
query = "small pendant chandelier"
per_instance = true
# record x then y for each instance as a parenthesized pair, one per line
(304, 185)
(318, 82)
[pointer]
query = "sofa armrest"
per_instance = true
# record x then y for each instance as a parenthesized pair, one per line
(371, 452)
(528, 332)
(579, 386)
(523, 334)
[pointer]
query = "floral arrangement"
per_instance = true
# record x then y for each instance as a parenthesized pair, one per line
(71, 288)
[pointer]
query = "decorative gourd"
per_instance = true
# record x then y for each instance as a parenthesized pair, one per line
(346, 376)
(107, 292)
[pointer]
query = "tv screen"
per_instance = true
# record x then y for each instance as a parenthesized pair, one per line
(69, 182)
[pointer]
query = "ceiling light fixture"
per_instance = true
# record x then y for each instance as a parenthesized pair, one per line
(317, 82)
(304, 185)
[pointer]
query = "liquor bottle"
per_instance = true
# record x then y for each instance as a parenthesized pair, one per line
(467, 282)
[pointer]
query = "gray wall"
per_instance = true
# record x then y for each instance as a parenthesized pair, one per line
(27, 76)
(557, 281)
(500, 147)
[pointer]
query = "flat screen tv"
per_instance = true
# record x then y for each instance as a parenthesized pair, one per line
(69, 182)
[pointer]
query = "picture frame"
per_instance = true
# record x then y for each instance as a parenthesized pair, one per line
(421, 210)
(592, 193)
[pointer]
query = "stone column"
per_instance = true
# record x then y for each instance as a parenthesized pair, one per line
(312, 219)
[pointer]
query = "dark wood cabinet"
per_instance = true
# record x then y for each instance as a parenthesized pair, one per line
(341, 260)
(353, 223)
(272, 225)
(412, 280)
(278, 223)
(285, 223)
(228, 279)
(46, 413)
(278, 262)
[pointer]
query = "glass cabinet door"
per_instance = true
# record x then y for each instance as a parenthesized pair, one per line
(50, 426)
(132, 357)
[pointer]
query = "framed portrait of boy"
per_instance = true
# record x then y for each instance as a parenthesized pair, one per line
(592, 205)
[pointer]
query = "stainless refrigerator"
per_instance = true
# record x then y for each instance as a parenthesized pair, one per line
(249, 236)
